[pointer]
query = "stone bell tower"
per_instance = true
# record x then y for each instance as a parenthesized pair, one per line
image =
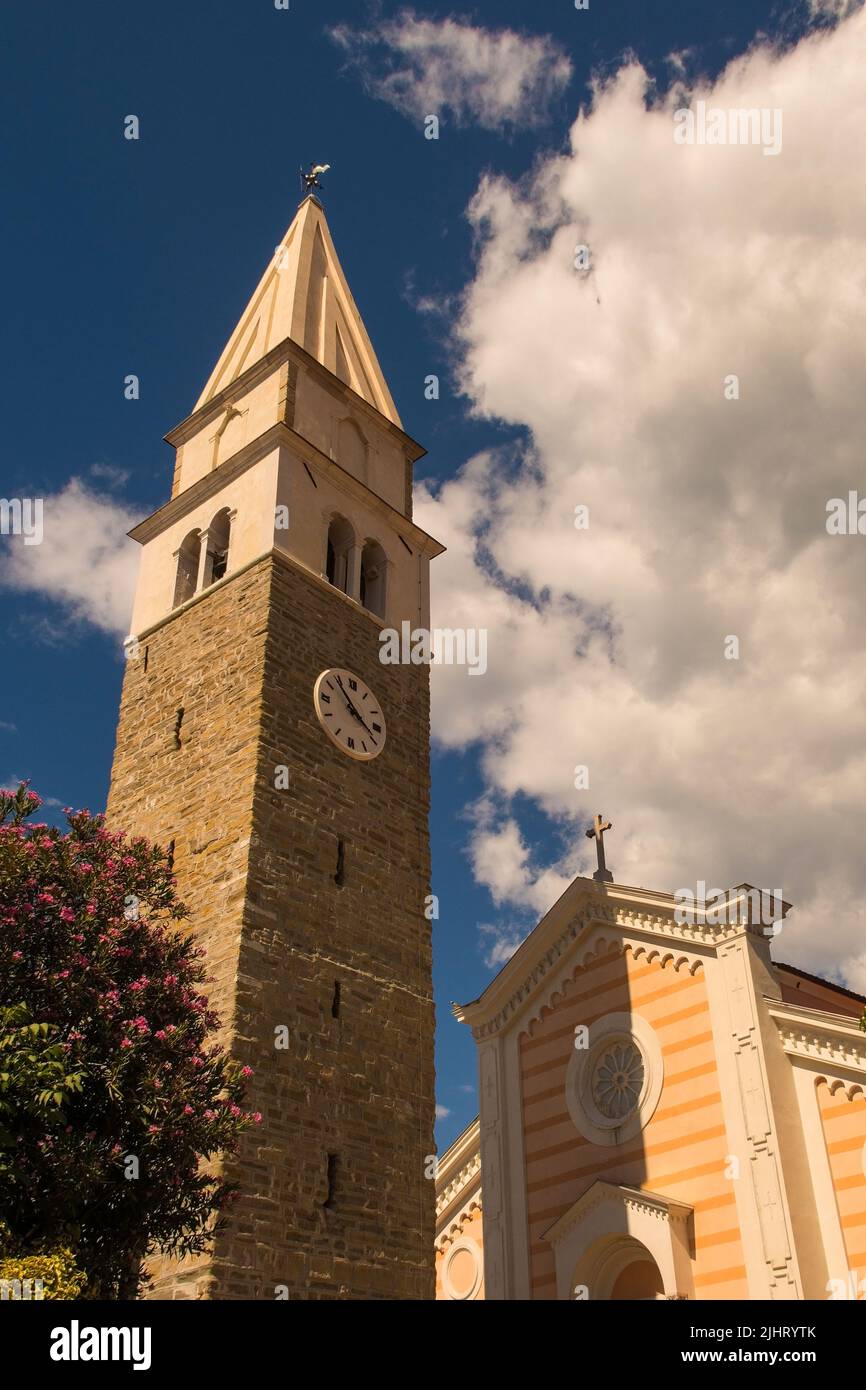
(285, 549)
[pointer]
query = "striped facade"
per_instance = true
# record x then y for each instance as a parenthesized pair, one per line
(843, 1119)
(681, 1152)
(732, 1165)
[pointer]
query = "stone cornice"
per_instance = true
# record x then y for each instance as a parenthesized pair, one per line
(285, 351)
(816, 1036)
(458, 1168)
(457, 1188)
(213, 483)
(206, 487)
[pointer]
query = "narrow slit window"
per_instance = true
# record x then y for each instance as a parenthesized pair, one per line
(333, 1164)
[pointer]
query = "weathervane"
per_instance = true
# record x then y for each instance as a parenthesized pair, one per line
(599, 826)
(310, 178)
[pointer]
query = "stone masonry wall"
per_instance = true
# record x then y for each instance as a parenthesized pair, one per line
(335, 1202)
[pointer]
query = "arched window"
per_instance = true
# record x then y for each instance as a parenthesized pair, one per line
(374, 565)
(218, 541)
(187, 568)
(341, 539)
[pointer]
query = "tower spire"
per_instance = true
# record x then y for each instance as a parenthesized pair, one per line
(304, 295)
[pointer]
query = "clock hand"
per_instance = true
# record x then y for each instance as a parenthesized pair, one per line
(357, 716)
(352, 710)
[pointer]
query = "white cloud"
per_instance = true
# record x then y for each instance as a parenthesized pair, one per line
(424, 67)
(500, 940)
(110, 474)
(85, 563)
(442, 1112)
(707, 516)
(833, 9)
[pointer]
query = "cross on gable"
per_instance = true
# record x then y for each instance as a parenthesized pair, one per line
(599, 826)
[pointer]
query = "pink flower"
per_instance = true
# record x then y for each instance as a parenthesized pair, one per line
(198, 1061)
(66, 914)
(161, 1034)
(126, 1043)
(17, 955)
(44, 898)
(257, 1117)
(246, 1071)
(188, 1110)
(153, 1129)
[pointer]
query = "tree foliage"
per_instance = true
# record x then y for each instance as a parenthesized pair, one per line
(115, 1104)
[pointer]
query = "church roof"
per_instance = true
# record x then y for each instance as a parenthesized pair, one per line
(792, 980)
(304, 295)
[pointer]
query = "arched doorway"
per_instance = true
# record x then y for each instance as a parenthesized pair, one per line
(639, 1281)
(618, 1242)
(618, 1268)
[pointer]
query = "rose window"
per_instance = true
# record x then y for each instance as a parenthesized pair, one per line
(618, 1079)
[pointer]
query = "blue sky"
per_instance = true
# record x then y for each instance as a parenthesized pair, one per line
(137, 257)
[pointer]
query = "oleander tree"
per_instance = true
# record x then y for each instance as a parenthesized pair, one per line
(116, 1105)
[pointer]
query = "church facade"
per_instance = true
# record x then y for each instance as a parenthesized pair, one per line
(287, 769)
(665, 1112)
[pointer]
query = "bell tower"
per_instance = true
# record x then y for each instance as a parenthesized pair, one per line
(286, 547)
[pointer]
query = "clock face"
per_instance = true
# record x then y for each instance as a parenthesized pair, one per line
(349, 713)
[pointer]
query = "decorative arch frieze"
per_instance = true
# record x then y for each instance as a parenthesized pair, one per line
(677, 944)
(455, 1228)
(851, 1089)
(597, 947)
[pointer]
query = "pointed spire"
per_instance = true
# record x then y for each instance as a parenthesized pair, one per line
(304, 295)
